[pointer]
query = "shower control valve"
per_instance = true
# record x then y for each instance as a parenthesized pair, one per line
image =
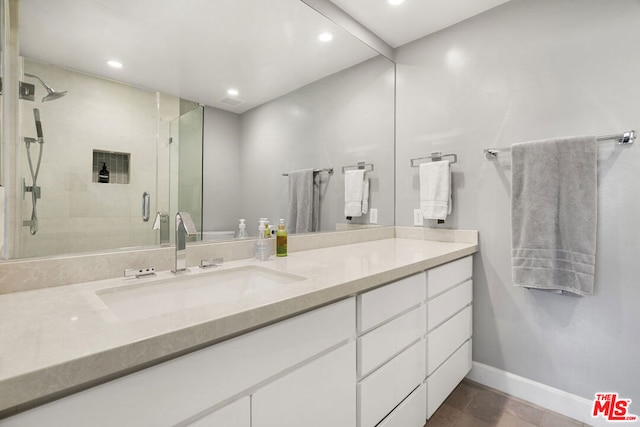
(30, 189)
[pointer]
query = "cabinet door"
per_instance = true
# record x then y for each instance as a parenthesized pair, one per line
(236, 414)
(321, 393)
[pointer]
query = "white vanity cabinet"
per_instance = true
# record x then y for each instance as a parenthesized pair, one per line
(414, 345)
(387, 357)
(391, 349)
(449, 326)
(201, 384)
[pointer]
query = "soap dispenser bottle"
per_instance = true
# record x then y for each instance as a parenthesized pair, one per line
(263, 250)
(281, 239)
(242, 230)
(103, 175)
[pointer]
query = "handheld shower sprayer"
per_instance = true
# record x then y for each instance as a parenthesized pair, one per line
(36, 116)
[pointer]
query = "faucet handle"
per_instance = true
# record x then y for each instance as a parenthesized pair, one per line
(206, 263)
(160, 217)
(139, 272)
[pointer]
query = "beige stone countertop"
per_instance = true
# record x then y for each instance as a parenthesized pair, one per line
(60, 340)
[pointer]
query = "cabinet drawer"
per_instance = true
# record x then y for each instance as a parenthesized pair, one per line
(386, 387)
(441, 278)
(236, 414)
(446, 338)
(446, 305)
(410, 413)
(380, 305)
(384, 342)
(442, 382)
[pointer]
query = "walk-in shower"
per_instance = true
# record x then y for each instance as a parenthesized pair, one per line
(33, 188)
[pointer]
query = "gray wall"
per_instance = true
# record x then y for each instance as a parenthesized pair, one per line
(337, 121)
(531, 70)
(221, 170)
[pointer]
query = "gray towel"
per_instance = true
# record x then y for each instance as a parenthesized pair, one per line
(304, 201)
(554, 213)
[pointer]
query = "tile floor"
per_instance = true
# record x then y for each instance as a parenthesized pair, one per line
(474, 405)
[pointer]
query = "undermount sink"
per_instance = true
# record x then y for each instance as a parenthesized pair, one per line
(144, 300)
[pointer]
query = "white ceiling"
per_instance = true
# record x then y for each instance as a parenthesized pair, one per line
(413, 19)
(197, 49)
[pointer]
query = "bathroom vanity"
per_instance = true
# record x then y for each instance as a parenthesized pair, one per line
(365, 334)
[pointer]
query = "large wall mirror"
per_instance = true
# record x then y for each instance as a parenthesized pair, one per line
(171, 132)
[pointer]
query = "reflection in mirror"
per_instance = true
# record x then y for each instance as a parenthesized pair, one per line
(300, 104)
(337, 121)
(104, 146)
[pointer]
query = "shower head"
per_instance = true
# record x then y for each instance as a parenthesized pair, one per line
(51, 93)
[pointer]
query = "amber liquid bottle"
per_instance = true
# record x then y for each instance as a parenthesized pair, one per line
(281, 240)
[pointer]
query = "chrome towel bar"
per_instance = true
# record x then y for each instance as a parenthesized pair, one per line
(622, 138)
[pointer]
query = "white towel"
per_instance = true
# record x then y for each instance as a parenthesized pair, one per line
(353, 192)
(365, 195)
(435, 189)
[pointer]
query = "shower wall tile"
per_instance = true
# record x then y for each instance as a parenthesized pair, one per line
(97, 114)
(53, 234)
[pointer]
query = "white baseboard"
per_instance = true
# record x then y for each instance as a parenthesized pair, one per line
(537, 393)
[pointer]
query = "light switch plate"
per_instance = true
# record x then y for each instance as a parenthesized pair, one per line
(417, 217)
(373, 216)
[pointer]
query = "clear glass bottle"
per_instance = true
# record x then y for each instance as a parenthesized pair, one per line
(242, 230)
(263, 248)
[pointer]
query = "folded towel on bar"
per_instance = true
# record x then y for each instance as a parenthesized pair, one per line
(435, 189)
(354, 183)
(365, 195)
(304, 201)
(554, 214)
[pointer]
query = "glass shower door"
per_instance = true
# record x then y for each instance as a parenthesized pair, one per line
(186, 166)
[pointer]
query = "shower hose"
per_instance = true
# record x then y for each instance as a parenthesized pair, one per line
(33, 225)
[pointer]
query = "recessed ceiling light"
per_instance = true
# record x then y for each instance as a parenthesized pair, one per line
(325, 36)
(114, 64)
(395, 2)
(232, 92)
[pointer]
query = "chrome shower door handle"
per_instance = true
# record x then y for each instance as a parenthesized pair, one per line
(146, 206)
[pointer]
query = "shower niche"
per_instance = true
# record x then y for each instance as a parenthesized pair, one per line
(110, 167)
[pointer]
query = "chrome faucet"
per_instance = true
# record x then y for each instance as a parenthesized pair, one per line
(184, 227)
